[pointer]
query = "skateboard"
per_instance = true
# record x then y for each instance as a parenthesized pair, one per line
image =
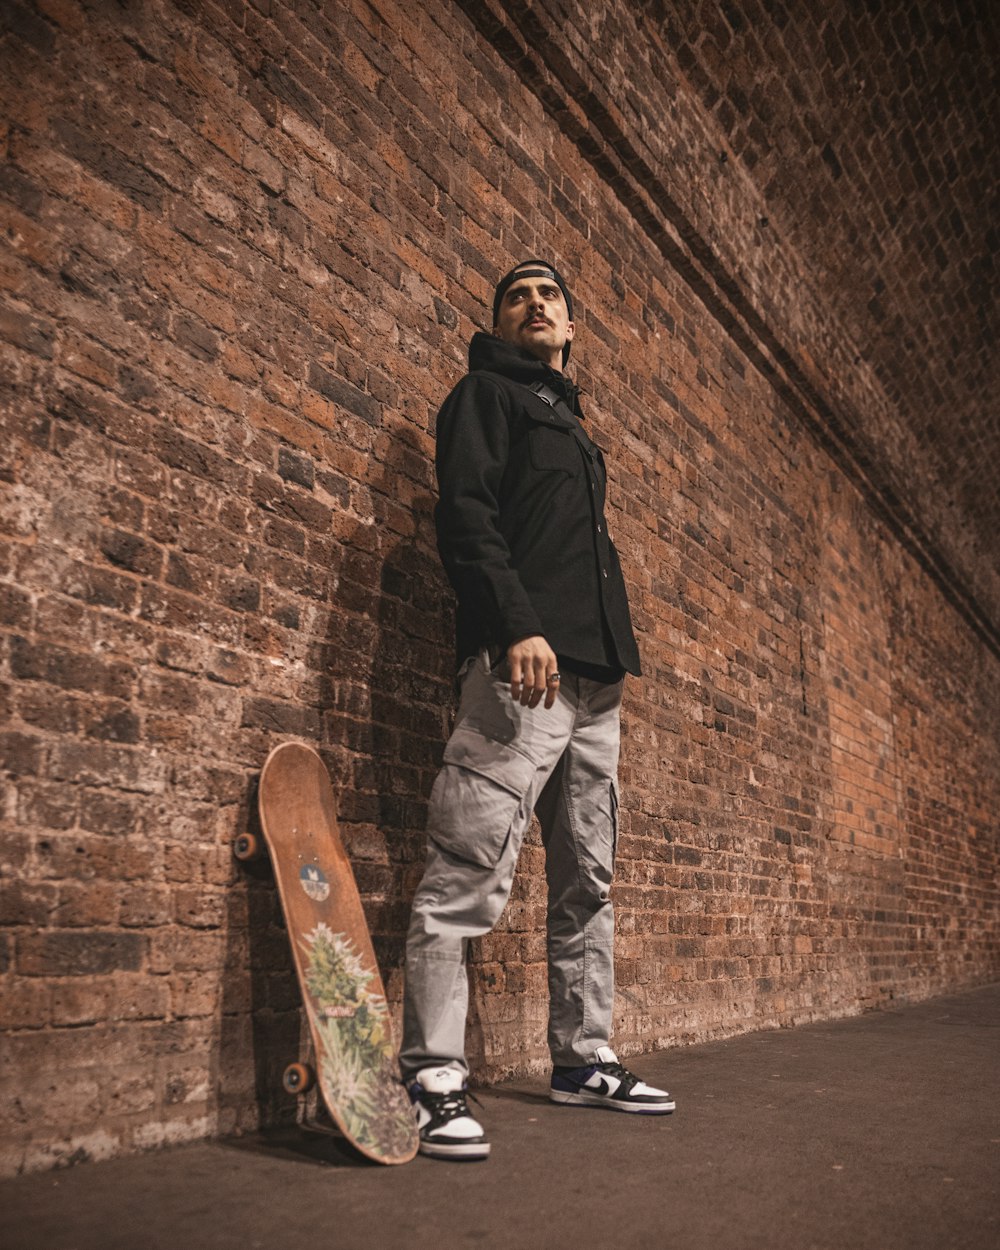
(351, 1057)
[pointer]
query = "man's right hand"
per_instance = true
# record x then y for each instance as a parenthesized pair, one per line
(532, 664)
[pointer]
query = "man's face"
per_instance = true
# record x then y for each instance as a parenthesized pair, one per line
(533, 315)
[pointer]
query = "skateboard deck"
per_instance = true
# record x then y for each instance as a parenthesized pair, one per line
(349, 1027)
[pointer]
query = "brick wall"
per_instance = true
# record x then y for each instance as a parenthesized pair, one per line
(244, 248)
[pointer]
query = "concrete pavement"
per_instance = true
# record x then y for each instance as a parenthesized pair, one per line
(878, 1131)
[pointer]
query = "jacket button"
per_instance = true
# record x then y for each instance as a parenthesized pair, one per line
(605, 572)
(599, 530)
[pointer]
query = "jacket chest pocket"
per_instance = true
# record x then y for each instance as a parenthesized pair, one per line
(551, 449)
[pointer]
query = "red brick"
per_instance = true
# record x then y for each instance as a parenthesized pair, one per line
(191, 994)
(46, 806)
(139, 997)
(101, 812)
(145, 907)
(84, 903)
(21, 753)
(27, 904)
(84, 856)
(129, 1093)
(25, 1003)
(75, 1003)
(185, 950)
(15, 608)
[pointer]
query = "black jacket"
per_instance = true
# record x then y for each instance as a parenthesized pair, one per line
(520, 518)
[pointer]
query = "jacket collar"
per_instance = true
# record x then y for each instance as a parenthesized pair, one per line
(488, 352)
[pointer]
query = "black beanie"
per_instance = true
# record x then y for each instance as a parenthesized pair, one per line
(545, 269)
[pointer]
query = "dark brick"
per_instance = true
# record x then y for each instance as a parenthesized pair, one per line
(180, 452)
(18, 20)
(182, 573)
(240, 593)
(15, 607)
(132, 552)
(110, 165)
(79, 954)
(21, 753)
(288, 537)
(284, 87)
(83, 273)
(344, 394)
(294, 468)
(20, 190)
(118, 726)
(271, 494)
(106, 813)
(446, 315)
(70, 669)
(195, 337)
(830, 157)
(280, 717)
(45, 708)
(30, 333)
(334, 485)
(101, 588)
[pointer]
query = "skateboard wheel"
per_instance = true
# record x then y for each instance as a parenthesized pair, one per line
(247, 847)
(298, 1078)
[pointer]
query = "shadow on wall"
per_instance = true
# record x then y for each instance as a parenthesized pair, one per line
(264, 986)
(385, 702)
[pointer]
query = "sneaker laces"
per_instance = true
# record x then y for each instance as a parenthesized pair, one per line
(627, 1078)
(447, 1106)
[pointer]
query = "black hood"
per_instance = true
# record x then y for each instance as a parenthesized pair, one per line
(488, 352)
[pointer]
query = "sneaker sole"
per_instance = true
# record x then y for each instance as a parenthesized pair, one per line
(610, 1104)
(459, 1152)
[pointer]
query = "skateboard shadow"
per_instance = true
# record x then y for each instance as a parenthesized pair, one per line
(292, 1143)
(259, 981)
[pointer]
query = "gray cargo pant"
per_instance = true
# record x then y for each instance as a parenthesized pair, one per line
(501, 762)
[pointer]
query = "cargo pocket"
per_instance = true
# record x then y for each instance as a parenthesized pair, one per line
(476, 797)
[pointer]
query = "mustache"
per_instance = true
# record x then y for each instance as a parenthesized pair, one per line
(535, 317)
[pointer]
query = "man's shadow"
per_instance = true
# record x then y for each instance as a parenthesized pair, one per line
(387, 699)
(388, 696)
(389, 707)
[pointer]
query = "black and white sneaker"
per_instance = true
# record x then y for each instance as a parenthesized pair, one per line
(447, 1129)
(607, 1084)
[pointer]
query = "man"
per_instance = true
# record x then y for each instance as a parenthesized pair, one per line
(544, 642)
